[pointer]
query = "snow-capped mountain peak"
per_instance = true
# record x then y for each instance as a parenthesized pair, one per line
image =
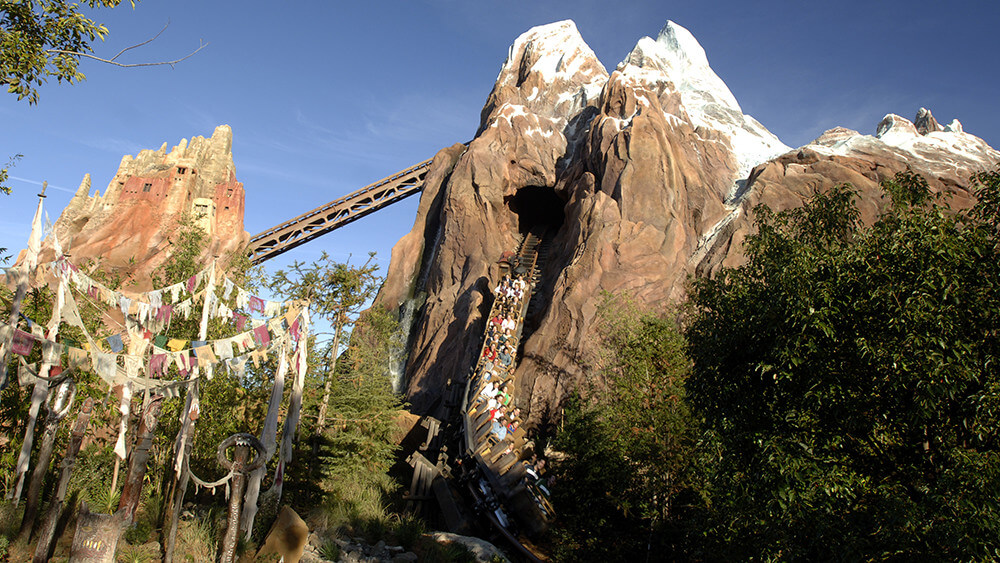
(677, 56)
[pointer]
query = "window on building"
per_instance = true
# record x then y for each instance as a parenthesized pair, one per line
(181, 169)
(146, 187)
(229, 192)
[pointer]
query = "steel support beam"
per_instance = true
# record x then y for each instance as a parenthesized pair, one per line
(369, 199)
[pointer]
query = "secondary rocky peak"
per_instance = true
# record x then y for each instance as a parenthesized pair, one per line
(894, 127)
(925, 122)
(129, 227)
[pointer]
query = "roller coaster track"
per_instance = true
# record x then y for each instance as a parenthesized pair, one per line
(325, 218)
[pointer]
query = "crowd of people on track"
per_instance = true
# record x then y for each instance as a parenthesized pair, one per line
(494, 416)
(493, 409)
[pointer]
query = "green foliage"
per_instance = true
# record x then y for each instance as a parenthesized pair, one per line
(4, 174)
(362, 401)
(45, 38)
(335, 290)
(850, 373)
(132, 553)
(635, 459)
(187, 244)
(330, 551)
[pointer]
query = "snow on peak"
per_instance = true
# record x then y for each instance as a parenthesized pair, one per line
(947, 147)
(555, 50)
(677, 57)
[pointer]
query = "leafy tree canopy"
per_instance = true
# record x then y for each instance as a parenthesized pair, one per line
(42, 39)
(851, 375)
(635, 460)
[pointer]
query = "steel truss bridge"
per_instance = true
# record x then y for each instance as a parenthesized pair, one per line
(325, 218)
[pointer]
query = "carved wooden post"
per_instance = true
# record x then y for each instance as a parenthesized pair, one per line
(48, 530)
(132, 490)
(179, 485)
(58, 406)
(96, 537)
(240, 465)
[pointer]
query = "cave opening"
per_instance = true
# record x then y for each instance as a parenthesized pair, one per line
(537, 208)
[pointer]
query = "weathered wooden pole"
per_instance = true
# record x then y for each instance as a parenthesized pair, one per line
(48, 530)
(240, 465)
(132, 491)
(182, 443)
(268, 437)
(58, 406)
(175, 497)
(19, 277)
(50, 357)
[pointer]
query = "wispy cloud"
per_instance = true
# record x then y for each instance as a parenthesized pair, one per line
(116, 145)
(37, 183)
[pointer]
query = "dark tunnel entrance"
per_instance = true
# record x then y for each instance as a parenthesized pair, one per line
(537, 208)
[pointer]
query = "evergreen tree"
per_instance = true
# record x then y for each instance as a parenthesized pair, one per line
(635, 460)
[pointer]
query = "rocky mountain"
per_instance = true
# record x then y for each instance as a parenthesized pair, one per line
(130, 226)
(642, 178)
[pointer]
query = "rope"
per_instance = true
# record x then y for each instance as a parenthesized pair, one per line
(225, 480)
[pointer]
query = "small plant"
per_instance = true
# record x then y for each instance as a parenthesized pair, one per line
(330, 551)
(408, 531)
(135, 553)
(104, 499)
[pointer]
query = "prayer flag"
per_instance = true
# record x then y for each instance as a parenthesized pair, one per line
(256, 304)
(205, 355)
(224, 349)
(22, 343)
(115, 343)
(261, 336)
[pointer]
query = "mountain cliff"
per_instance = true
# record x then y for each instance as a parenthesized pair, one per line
(130, 227)
(641, 178)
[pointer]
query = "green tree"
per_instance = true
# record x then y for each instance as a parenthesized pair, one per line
(336, 293)
(850, 373)
(635, 460)
(353, 440)
(42, 39)
(5, 189)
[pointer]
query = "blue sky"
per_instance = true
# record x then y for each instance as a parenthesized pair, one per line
(324, 97)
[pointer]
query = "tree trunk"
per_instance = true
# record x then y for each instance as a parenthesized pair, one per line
(35, 486)
(321, 419)
(227, 552)
(132, 491)
(47, 533)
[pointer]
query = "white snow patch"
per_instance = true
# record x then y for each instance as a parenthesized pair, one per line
(558, 50)
(677, 57)
(951, 148)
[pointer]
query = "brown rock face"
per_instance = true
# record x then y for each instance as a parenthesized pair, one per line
(129, 228)
(643, 179)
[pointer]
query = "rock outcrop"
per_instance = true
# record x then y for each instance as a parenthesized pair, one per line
(642, 178)
(130, 227)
